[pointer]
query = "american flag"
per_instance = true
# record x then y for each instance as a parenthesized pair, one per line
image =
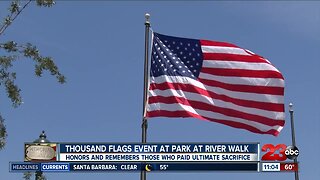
(215, 81)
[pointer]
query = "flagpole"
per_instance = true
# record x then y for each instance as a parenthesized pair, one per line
(296, 173)
(143, 175)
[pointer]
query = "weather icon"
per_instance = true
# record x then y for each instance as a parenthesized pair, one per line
(148, 167)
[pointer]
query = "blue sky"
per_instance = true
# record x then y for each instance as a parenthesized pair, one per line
(99, 46)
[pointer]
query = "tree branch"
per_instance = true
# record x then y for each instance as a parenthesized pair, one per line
(3, 133)
(7, 23)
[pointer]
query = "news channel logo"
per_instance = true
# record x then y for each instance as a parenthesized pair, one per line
(279, 152)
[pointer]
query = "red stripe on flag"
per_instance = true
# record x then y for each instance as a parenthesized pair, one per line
(246, 103)
(216, 43)
(233, 57)
(215, 109)
(164, 113)
(243, 73)
(244, 88)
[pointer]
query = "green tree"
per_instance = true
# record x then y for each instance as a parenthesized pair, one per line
(10, 51)
(28, 176)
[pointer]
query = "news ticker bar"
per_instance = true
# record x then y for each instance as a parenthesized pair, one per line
(129, 152)
(157, 167)
(131, 167)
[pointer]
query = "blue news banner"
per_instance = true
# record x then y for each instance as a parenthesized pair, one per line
(109, 167)
(102, 157)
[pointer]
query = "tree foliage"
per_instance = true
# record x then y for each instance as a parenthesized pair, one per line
(3, 133)
(27, 175)
(39, 176)
(10, 51)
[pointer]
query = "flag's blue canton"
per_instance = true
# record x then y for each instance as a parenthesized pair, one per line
(175, 56)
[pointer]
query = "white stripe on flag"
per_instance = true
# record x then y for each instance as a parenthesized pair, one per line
(222, 49)
(238, 65)
(271, 82)
(233, 94)
(206, 114)
(216, 102)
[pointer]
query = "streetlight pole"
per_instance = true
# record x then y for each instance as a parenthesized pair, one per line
(143, 175)
(42, 139)
(293, 138)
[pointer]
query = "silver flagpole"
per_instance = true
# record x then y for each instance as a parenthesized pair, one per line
(143, 175)
(293, 136)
